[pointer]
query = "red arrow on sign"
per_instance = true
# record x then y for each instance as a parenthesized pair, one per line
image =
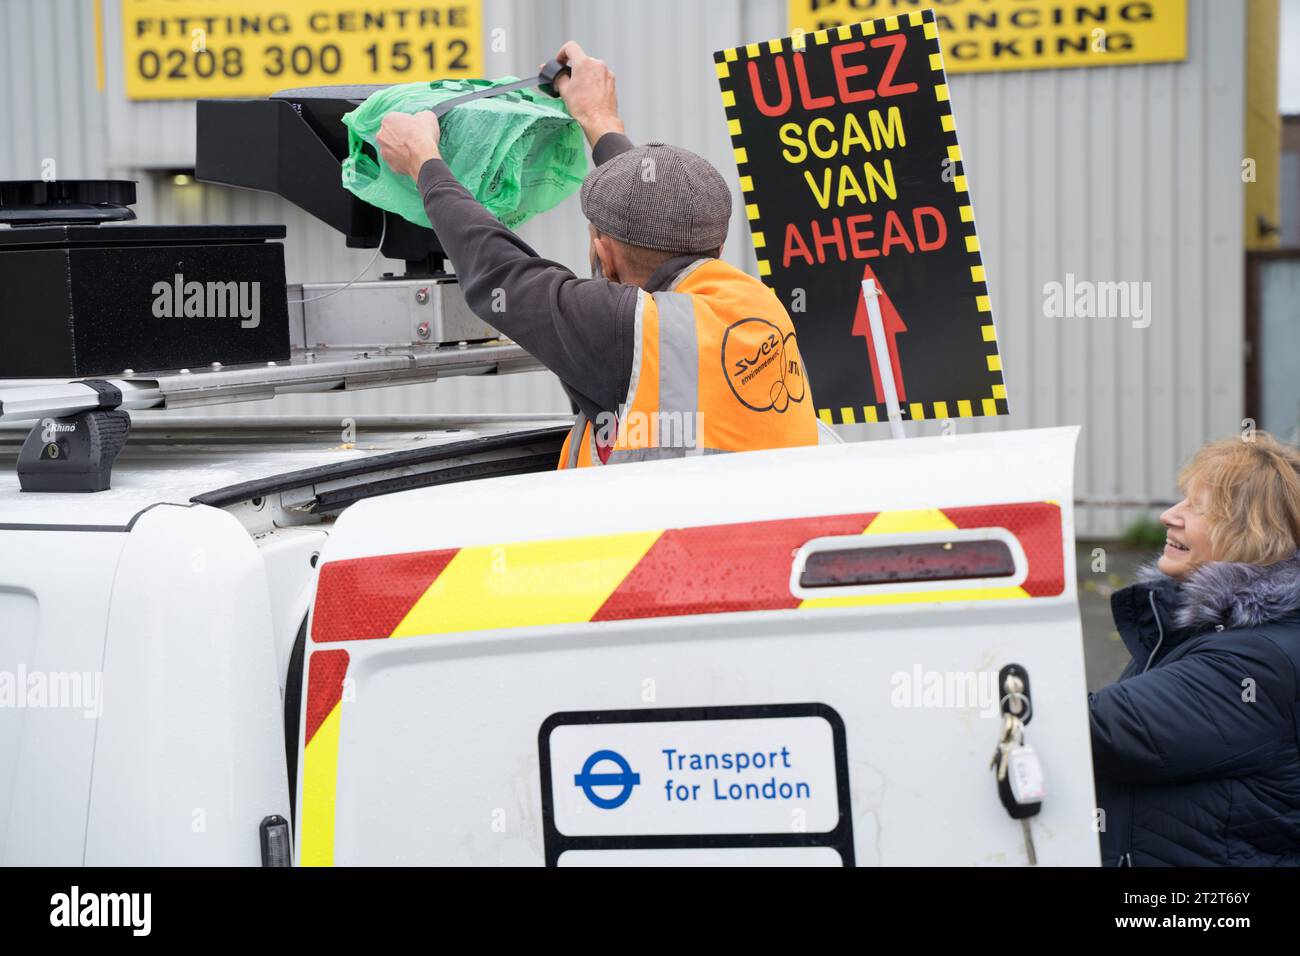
(893, 326)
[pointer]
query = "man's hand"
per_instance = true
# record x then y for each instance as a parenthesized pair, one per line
(589, 93)
(407, 142)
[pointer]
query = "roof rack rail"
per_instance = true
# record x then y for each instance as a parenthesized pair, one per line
(326, 370)
(82, 423)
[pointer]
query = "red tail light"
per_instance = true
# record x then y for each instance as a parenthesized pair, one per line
(907, 563)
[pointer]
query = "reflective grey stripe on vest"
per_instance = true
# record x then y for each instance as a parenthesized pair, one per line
(638, 327)
(681, 276)
(827, 435)
(679, 383)
(575, 439)
(679, 369)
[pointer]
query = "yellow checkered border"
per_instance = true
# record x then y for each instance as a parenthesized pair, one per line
(996, 402)
(725, 61)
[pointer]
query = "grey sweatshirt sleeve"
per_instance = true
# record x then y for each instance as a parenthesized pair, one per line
(609, 146)
(581, 329)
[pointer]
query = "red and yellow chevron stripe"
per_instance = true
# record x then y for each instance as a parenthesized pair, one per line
(326, 671)
(646, 574)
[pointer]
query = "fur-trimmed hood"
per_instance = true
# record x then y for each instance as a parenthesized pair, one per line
(1221, 594)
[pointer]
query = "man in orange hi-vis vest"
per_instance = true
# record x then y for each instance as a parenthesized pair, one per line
(668, 352)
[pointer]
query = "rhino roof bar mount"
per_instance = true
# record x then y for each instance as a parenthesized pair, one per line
(76, 452)
(87, 417)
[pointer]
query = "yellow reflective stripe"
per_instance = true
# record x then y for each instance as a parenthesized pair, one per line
(320, 765)
(918, 597)
(898, 522)
(526, 585)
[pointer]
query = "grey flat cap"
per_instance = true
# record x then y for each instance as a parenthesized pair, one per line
(659, 197)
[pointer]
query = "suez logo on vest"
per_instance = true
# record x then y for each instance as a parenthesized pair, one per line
(752, 784)
(765, 371)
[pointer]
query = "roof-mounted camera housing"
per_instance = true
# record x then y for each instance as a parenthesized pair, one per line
(293, 144)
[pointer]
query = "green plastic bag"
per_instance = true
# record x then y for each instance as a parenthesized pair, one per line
(519, 153)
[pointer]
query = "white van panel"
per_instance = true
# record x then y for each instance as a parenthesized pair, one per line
(454, 628)
(55, 589)
(189, 757)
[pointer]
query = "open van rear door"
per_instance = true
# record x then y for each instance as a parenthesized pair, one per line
(786, 657)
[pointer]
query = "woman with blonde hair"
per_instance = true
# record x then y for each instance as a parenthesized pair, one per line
(1195, 748)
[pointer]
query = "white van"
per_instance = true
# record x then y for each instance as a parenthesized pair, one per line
(789, 657)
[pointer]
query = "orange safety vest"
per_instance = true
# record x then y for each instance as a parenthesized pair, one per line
(715, 368)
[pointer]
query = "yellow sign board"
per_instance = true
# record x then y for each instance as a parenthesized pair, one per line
(984, 36)
(186, 49)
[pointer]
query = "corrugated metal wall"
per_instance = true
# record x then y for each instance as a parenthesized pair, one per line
(1123, 173)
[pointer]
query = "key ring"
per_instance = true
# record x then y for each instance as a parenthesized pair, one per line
(1029, 707)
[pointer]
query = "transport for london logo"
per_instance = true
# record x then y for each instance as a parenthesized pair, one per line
(623, 780)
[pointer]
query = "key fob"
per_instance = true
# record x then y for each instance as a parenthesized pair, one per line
(1023, 789)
